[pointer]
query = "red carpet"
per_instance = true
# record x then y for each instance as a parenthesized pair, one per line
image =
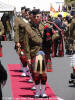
(21, 89)
(1, 52)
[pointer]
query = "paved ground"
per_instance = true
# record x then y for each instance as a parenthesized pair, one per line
(58, 79)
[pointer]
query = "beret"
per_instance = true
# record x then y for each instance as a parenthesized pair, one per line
(35, 11)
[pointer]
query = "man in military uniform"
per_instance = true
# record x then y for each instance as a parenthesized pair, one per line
(72, 28)
(19, 36)
(21, 27)
(33, 46)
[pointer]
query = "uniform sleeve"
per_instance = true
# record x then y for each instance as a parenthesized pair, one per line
(16, 32)
(20, 22)
(27, 47)
(29, 30)
(35, 38)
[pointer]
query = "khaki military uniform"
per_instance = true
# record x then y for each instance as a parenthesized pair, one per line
(19, 30)
(72, 33)
(72, 29)
(33, 41)
(1, 28)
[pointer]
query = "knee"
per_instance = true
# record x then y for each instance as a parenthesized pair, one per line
(43, 78)
(36, 78)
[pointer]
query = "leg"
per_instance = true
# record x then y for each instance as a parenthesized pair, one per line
(37, 84)
(24, 65)
(48, 62)
(43, 85)
(61, 48)
(55, 47)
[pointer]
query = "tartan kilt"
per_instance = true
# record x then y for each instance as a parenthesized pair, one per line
(47, 62)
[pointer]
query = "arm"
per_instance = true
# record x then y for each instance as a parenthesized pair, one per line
(16, 32)
(29, 30)
(27, 47)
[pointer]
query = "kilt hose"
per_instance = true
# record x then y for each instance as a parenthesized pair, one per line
(22, 55)
(61, 48)
(48, 60)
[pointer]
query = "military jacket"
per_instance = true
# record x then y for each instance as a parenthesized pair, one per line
(33, 41)
(19, 30)
(72, 29)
